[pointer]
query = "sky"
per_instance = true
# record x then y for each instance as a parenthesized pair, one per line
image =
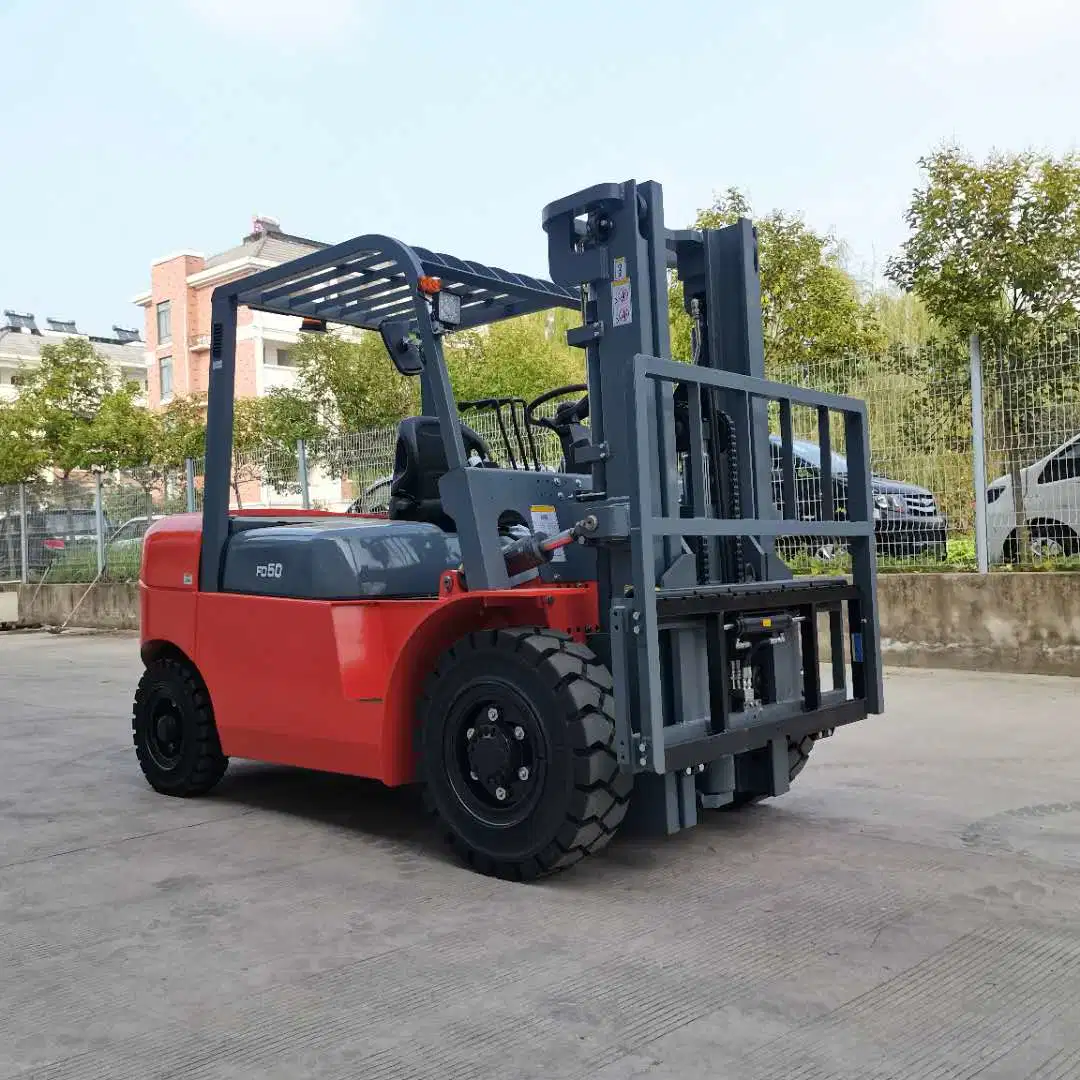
(136, 128)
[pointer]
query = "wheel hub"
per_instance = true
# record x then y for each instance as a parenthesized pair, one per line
(498, 752)
(165, 735)
(492, 756)
(168, 729)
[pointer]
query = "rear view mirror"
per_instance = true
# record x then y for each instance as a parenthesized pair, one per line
(403, 348)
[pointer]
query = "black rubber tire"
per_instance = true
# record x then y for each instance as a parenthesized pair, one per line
(798, 755)
(583, 796)
(200, 763)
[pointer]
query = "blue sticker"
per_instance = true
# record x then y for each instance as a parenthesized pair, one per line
(856, 648)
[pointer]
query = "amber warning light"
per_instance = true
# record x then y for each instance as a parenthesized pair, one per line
(429, 286)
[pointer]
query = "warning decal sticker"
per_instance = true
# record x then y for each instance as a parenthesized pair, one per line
(546, 521)
(622, 305)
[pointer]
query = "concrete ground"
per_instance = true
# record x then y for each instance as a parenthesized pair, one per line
(910, 909)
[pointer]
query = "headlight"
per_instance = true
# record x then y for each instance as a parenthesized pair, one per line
(890, 502)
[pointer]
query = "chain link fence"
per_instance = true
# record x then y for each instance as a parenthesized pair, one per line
(83, 527)
(996, 486)
(955, 488)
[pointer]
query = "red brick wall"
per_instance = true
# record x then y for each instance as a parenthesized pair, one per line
(168, 281)
(190, 321)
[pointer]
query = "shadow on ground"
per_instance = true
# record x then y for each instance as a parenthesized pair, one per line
(396, 815)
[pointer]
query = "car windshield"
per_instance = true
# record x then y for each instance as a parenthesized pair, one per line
(73, 521)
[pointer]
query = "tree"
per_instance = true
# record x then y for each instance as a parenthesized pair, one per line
(814, 320)
(344, 385)
(21, 454)
(249, 443)
(60, 399)
(182, 431)
(519, 357)
(124, 434)
(904, 321)
(994, 249)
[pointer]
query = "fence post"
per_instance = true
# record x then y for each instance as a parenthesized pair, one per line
(301, 466)
(978, 446)
(24, 540)
(99, 514)
(189, 483)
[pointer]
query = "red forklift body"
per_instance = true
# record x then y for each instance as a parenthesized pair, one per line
(324, 684)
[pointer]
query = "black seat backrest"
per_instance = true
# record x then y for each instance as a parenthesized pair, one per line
(419, 463)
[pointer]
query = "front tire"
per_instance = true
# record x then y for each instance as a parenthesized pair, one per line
(517, 752)
(173, 728)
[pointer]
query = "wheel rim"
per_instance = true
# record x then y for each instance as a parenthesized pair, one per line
(495, 754)
(164, 732)
(1047, 547)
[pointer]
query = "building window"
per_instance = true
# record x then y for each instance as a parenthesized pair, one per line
(164, 322)
(165, 367)
(280, 358)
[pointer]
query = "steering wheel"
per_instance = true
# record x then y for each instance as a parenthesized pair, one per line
(567, 413)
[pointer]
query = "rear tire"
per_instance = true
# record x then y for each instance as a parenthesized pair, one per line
(798, 755)
(517, 752)
(173, 728)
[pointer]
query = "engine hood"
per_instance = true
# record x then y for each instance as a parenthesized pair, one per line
(881, 485)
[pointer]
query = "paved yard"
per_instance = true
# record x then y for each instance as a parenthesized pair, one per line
(910, 909)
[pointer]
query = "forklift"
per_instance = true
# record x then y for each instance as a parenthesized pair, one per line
(549, 655)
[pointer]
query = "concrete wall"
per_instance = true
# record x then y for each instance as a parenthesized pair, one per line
(1002, 622)
(106, 607)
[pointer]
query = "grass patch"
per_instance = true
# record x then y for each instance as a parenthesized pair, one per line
(122, 564)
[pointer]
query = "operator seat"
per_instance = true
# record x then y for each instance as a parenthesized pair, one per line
(419, 463)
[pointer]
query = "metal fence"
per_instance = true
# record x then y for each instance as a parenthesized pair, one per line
(976, 455)
(976, 452)
(82, 528)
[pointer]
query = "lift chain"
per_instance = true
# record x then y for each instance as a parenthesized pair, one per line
(735, 508)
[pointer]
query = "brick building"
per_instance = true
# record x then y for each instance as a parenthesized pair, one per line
(177, 308)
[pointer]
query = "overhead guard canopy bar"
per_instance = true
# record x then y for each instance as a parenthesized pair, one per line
(371, 278)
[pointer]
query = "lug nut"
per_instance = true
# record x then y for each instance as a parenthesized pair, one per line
(689, 771)
(641, 747)
(519, 733)
(470, 733)
(701, 768)
(523, 773)
(493, 713)
(500, 793)
(641, 761)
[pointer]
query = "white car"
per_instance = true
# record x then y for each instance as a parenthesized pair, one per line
(1051, 490)
(131, 533)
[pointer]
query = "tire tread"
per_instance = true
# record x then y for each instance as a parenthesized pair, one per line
(211, 763)
(601, 791)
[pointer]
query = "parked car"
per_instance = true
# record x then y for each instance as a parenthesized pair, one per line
(1051, 492)
(907, 519)
(50, 535)
(131, 533)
